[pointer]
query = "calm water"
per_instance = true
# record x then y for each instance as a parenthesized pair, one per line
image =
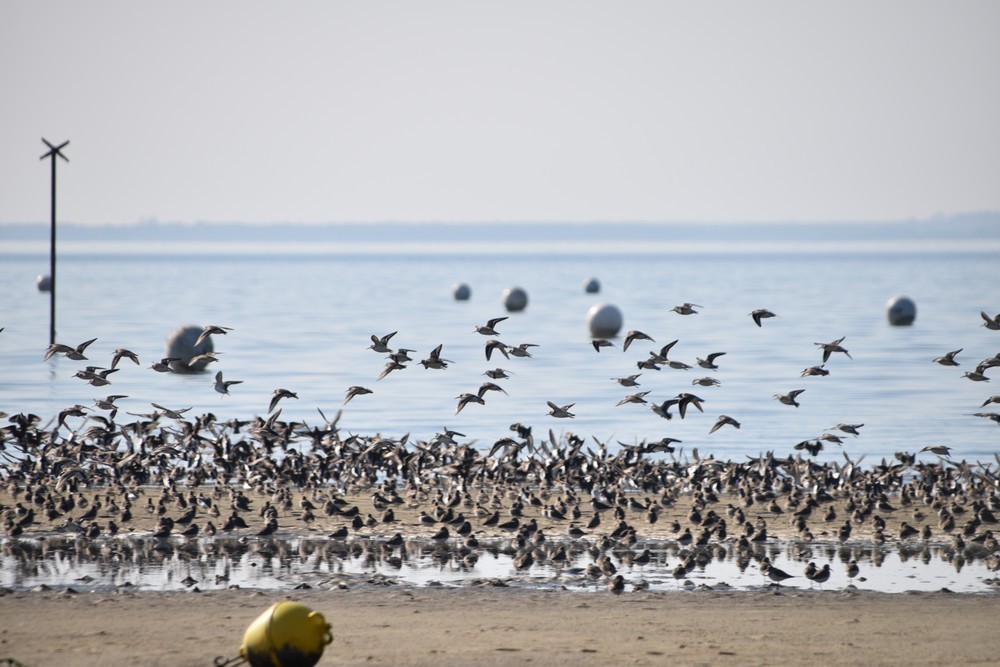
(302, 321)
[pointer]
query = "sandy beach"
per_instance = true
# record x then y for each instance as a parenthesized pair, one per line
(495, 626)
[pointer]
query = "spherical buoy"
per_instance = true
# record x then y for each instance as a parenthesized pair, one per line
(181, 346)
(592, 286)
(44, 282)
(901, 311)
(461, 292)
(288, 634)
(515, 299)
(605, 320)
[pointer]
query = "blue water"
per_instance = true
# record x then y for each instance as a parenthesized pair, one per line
(302, 321)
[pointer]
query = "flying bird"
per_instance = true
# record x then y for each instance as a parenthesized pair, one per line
(278, 395)
(435, 360)
(489, 329)
(121, 353)
(208, 331)
(355, 391)
(686, 309)
(830, 348)
(761, 314)
(381, 345)
(74, 353)
(789, 398)
(949, 358)
(634, 335)
(222, 386)
(560, 412)
(724, 420)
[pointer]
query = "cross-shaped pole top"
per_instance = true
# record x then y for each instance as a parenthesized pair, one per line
(54, 150)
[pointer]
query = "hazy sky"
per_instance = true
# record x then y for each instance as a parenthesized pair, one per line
(465, 111)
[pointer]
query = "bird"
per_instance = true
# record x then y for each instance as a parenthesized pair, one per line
(521, 350)
(74, 353)
(172, 414)
(948, 359)
(278, 395)
(381, 345)
(497, 374)
(494, 344)
(684, 399)
(489, 386)
(724, 420)
(489, 329)
(390, 366)
(561, 412)
(991, 323)
(108, 403)
(709, 361)
(940, 450)
(830, 348)
(848, 428)
(789, 398)
(598, 343)
(638, 397)
(760, 314)
(633, 335)
(355, 390)
(629, 381)
(121, 353)
(465, 399)
(686, 309)
(815, 370)
(222, 386)
(434, 360)
(163, 365)
(208, 331)
(706, 382)
(991, 399)
(976, 376)
(775, 574)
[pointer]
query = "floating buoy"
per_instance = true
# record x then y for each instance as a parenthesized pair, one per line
(461, 292)
(592, 286)
(288, 634)
(44, 282)
(901, 311)
(515, 299)
(604, 320)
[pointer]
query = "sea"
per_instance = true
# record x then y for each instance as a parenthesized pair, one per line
(301, 316)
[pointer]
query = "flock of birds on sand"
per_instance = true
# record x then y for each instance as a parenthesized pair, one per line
(195, 474)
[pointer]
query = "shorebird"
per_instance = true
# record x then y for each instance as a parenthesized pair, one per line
(949, 358)
(724, 420)
(74, 353)
(760, 314)
(706, 382)
(830, 348)
(489, 329)
(381, 345)
(634, 335)
(638, 397)
(991, 399)
(434, 360)
(976, 376)
(355, 390)
(991, 323)
(495, 345)
(774, 574)
(629, 381)
(278, 395)
(208, 331)
(663, 409)
(222, 386)
(940, 450)
(389, 367)
(684, 399)
(598, 343)
(521, 350)
(95, 375)
(108, 403)
(489, 386)
(709, 361)
(163, 365)
(848, 428)
(560, 412)
(121, 353)
(686, 309)
(497, 374)
(789, 398)
(172, 414)
(465, 399)
(815, 370)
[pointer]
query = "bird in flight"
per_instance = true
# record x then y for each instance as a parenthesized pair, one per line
(761, 314)
(489, 329)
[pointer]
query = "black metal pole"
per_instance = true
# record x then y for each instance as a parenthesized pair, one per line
(52, 261)
(54, 152)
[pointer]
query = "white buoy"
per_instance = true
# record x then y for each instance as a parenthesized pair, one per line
(461, 291)
(604, 320)
(515, 299)
(592, 286)
(901, 311)
(181, 345)
(44, 282)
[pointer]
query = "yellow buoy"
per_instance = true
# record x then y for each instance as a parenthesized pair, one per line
(288, 634)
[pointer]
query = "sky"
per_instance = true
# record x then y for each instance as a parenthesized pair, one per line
(470, 111)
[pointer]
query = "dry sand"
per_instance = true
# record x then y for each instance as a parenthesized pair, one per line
(489, 626)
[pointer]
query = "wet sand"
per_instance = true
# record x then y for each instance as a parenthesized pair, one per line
(375, 625)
